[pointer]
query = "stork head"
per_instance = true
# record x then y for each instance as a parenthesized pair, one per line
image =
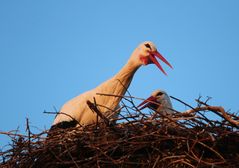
(157, 98)
(147, 53)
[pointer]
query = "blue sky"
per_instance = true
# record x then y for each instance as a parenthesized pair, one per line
(51, 51)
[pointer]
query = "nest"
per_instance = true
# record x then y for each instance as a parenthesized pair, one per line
(186, 139)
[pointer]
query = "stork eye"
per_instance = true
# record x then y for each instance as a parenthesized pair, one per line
(148, 46)
(159, 94)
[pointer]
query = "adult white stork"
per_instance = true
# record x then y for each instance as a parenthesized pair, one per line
(160, 102)
(77, 109)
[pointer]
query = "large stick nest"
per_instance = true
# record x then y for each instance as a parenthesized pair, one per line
(186, 139)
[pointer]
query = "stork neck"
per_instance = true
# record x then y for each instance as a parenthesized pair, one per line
(126, 74)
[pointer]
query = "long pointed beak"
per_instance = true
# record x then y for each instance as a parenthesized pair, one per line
(154, 54)
(147, 102)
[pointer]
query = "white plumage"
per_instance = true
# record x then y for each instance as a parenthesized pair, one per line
(78, 109)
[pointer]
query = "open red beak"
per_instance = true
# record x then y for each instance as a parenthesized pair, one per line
(147, 102)
(153, 55)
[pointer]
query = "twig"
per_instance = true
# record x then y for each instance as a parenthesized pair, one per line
(94, 108)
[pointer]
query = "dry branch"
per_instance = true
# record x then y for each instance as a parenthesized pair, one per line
(138, 139)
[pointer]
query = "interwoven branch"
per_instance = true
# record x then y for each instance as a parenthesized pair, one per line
(138, 139)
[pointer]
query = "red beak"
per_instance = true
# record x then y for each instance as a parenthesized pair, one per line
(154, 54)
(147, 102)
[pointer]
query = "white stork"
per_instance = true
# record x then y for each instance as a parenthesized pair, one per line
(77, 109)
(158, 101)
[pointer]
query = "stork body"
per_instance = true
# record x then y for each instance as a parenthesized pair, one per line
(160, 102)
(77, 108)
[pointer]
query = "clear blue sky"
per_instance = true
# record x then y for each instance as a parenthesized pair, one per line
(51, 51)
